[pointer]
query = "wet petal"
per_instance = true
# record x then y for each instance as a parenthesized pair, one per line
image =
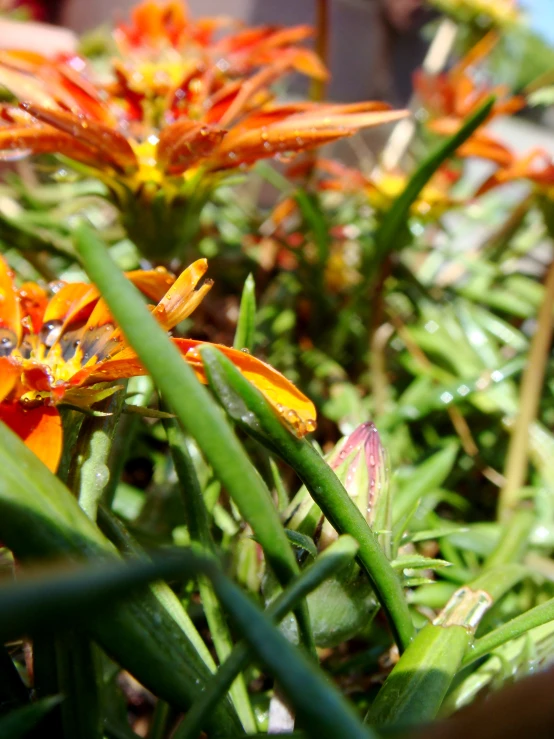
(184, 143)
(292, 405)
(109, 144)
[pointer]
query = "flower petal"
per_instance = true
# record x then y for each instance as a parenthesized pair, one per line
(292, 405)
(40, 428)
(183, 297)
(183, 143)
(10, 313)
(109, 144)
(9, 372)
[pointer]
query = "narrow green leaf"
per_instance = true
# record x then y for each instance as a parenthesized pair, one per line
(198, 524)
(512, 629)
(246, 325)
(428, 476)
(329, 563)
(39, 518)
(18, 723)
(195, 409)
(237, 395)
(52, 597)
(302, 542)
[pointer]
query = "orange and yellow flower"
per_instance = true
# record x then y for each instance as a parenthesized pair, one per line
(57, 349)
(536, 167)
(154, 165)
(450, 97)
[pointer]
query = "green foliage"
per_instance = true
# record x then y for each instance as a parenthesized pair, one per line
(196, 542)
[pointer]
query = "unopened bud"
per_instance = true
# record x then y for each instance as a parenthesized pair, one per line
(361, 464)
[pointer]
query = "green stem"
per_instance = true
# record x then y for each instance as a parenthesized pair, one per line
(199, 529)
(160, 718)
(514, 539)
(195, 409)
(126, 433)
(513, 629)
(529, 399)
(333, 559)
(89, 472)
(250, 410)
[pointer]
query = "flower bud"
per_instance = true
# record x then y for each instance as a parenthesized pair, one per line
(361, 464)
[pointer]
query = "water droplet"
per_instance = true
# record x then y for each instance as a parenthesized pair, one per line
(50, 333)
(8, 342)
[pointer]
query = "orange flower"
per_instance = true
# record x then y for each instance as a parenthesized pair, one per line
(59, 350)
(163, 38)
(537, 167)
(452, 96)
(154, 168)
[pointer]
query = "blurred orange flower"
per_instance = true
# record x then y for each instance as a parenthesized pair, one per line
(57, 350)
(449, 98)
(537, 167)
(155, 162)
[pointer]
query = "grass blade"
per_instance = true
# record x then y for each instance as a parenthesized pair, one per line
(195, 409)
(39, 518)
(246, 325)
(335, 558)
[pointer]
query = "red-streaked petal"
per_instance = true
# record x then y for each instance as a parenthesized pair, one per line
(183, 143)
(21, 141)
(33, 301)
(109, 144)
(292, 405)
(40, 428)
(73, 301)
(25, 87)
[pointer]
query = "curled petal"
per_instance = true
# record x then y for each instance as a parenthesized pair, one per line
(72, 302)
(40, 428)
(183, 297)
(292, 405)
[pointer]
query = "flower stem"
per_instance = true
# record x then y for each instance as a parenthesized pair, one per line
(199, 529)
(529, 398)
